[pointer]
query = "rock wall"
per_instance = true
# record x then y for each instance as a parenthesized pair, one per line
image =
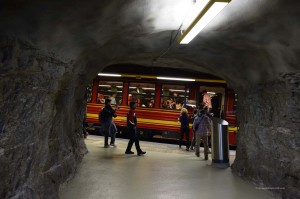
(40, 132)
(268, 151)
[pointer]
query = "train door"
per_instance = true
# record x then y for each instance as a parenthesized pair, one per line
(217, 99)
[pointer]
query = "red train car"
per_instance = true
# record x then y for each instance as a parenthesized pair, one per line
(159, 101)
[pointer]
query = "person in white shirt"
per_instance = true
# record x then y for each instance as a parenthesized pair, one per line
(206, 101)
(113, 98)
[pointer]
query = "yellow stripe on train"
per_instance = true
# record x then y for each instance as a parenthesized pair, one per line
(152, 121)
(140, 120)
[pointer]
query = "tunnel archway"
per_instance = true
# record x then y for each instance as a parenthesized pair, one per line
(42, 91)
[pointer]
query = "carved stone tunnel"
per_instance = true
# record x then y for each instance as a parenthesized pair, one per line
(50, 51)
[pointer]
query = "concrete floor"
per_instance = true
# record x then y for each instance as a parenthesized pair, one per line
(164, 172)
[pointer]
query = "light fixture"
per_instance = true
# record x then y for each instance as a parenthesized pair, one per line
(212, 93)
(208, 9)
(177, 90)
(109, 75)
(148, 88)
(176, 79)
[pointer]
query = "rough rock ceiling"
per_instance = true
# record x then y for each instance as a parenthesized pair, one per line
(250, 41)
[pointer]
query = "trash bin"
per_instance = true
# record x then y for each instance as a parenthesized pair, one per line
(220, 144)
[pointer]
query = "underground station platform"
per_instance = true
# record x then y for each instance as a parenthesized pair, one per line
(165, 171)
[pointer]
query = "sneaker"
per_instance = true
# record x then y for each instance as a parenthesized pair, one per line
(106, 146)
(113, 144)
(197, 154)
(141, 153)
(129, 152)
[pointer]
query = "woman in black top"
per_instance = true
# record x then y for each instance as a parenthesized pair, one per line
(184, 119)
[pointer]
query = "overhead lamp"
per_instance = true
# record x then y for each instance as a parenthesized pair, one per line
(176, 90)
(212, 93)
(109, 75)
(148, 88)
(176, 79)
(208, 9)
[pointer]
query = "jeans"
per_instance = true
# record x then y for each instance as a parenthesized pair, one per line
(186, 131)
(198, 141)
(112, 132)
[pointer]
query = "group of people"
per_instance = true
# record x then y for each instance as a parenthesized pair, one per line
(109, 127)
(172, 103)
(201, 126)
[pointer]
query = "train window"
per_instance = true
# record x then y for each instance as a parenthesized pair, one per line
(173, 96)
(142, 93)
(111, 90)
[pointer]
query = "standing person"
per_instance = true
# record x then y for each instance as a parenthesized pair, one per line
(131, 126)
(195, 113)
(113, 98)
(106, 119)
(201, 127)
(206, 100)
(184, 119)
(210, 115)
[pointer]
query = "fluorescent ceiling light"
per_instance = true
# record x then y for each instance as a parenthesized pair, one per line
(148, 88)
(176, 79)
(213, 93)
(119, 86)
(206, 14)
(192, 105)
(109, 75)
(104, 85)
(175, 90)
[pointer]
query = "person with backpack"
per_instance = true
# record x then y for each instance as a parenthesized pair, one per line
(195, 113)
(105, 117)
(131, 126)
(202, 127)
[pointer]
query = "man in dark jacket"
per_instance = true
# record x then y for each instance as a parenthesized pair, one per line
(108, 113)
(131, 126)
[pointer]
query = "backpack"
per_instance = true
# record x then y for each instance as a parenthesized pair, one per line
(102, 117)
(201, 118)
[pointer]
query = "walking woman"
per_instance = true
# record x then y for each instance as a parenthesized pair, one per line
(184, 119)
